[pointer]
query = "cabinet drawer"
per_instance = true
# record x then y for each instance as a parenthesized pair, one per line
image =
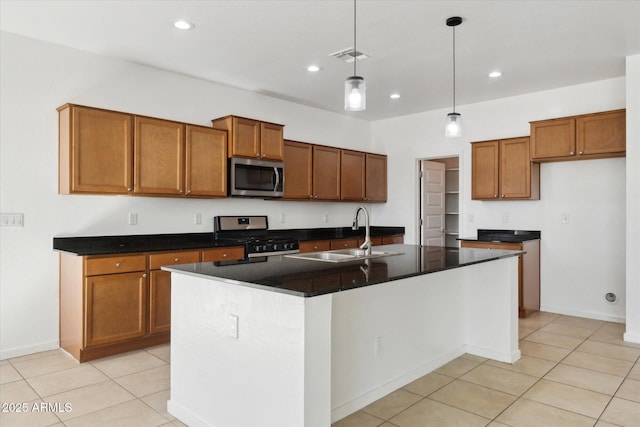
(158, 260)
(115, 264)
(315, 245)
(390, 240)
(506, 246)
(223, 254)
(344, 244)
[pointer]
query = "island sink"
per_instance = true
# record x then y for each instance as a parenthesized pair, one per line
(343, 255)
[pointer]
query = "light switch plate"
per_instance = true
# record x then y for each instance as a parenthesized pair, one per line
(12, 220)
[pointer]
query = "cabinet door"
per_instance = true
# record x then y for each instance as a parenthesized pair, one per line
(515, 169)
(159, 156)
(159, 301)
(245, 137)
(326, 173)
(298, 170)
(206, 162)
(352, 175)
(376, 178)
(115, 307)
(553, 138)
(96, 151)
(601, 133)
(484, 170)
(344, 243)
(271, 141)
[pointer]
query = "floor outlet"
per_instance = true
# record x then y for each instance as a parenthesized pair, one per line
(133, 218)
(233, 326)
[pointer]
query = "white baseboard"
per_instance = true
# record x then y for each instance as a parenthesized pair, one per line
(23, 351)
(184, 415)
(360, 402)
(583, 313)
(629, 337)
(492, 354)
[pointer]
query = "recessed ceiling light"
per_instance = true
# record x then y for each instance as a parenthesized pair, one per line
(495, 74)
(394, 96)
(183, 25)
(313, 68)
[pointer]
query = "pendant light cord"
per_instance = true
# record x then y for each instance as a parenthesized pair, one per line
(355, 51)
(454, 69)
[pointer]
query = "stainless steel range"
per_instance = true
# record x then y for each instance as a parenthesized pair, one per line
(252, 233)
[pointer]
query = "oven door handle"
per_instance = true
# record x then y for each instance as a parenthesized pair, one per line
(275, 169)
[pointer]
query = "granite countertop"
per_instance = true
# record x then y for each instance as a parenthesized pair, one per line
(508, 236)
(106, 245)
(308, 278)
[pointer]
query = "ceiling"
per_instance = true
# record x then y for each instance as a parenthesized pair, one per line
(265, 46)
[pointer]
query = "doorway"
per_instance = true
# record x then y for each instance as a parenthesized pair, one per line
(439, 195)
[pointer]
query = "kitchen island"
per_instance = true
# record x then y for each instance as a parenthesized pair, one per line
(290, 342)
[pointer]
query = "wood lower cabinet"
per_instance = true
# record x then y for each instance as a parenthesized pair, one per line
(159, 318)
(502, 170)
(95, 151)
(227, 253)
(587, 136)
(392, 240)
(528, 271)
(344, 243)
(252, 138)
(349, 243)
(315, 246)
(119, 303)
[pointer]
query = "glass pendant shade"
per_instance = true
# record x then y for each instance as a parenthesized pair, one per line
(355, 94)
(453, 127)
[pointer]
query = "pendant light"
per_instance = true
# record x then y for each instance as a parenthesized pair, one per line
(355, 96)
(453, 127)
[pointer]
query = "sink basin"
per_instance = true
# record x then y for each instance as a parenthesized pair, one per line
(342, 255)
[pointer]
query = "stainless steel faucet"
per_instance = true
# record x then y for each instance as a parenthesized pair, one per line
(367, 236)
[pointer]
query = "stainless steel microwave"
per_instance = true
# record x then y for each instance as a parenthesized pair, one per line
(256, 178)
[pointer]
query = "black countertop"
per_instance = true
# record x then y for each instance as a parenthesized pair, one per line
(105, 245)
(508, 236)
(308, 278)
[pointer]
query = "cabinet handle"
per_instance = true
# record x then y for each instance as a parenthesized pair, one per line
(315, 247)
(224, 255)
(580, 152)
(118, 265)
(502, 196)
(176, 259)
(571, 153)
(495, 196)
(129, 189)
(144, 276)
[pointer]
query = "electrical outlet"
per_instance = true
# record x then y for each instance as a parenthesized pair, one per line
(470, 217)
(283, 218)
(197, 218)
(505, 218)
(325, 218)
(133, 218)
(564, 219)
(233, 326)
(377, 346)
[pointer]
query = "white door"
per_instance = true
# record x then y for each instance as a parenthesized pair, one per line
(432, 199)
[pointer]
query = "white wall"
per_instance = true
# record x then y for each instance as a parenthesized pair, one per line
(38, 77)
(580, 261)
(633, 199)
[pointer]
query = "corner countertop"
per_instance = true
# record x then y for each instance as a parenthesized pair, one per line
(108, 245)
(507, 236)
(309, 278)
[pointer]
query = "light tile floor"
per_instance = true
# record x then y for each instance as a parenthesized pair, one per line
(573, 372)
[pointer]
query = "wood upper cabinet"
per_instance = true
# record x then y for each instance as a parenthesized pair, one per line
(501, 170)
(326, 173)
(205, 162)
(588, 136)
(352, 177)
(252, 138)
(298, 170)
(95, 151)
(158, 156)
(376, 178)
